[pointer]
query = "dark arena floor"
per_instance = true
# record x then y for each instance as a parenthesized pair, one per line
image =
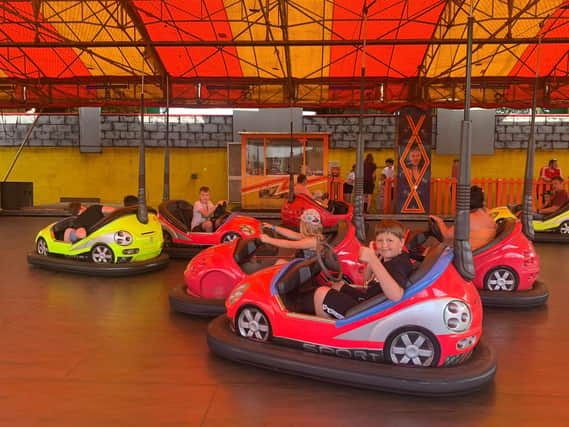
(85, 351)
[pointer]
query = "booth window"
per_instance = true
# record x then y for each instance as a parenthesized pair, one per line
(278, 156)
(315, 156)
(255, 156)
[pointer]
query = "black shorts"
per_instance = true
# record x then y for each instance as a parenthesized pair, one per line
(338, 303)
(348, 188)
(368, 187)
(198, 229)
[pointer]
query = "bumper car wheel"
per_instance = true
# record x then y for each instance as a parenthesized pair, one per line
(41, 247)
(564, 228)
(412, 347)
(229, 237)
(253, 324)
(501, 279)
(102, 254)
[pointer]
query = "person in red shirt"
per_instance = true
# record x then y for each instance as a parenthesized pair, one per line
(559, 198)
(547, 173)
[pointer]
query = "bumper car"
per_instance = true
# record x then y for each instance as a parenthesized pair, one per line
(428, 343)
(506, 268)
(117, 245)
(330, 215)
(552, 227)
(181, 242)
(214, 272)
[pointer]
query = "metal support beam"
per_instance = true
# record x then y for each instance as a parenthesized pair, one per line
(24, 142)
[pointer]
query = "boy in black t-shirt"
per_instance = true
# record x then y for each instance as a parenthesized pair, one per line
(90, 216)
(388, 267)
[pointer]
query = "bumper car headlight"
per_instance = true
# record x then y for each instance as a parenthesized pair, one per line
(123, 238)
(457, 316)
(237, 293)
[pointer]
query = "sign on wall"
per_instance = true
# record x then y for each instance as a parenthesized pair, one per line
(414, 154)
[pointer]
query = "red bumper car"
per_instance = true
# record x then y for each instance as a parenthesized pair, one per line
(428, 343)
(213, 273)
(330, 215)
(181, 242)
(506, 268)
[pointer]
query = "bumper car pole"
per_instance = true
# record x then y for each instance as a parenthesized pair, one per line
(527, 211)
(463, 260)
(142, 213)
(358, 199)
(166, 195)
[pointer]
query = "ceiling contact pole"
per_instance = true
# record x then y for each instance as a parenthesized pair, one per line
(527, 214)
(290, 172)
(463, 252)
(166, 195)
(142, 209)
(358, 198)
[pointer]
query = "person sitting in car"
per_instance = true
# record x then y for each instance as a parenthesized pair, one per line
(88, 217)
(203, 212)
(305, 242)
(388, 267)
(482, 225)
(558, 198)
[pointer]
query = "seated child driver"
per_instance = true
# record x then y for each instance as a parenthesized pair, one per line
(203, 212)
(389, 269)
(305, 242)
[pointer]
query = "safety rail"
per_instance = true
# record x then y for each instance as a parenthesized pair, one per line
(497, 192)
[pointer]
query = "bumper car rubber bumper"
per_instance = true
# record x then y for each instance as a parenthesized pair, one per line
(473, 374)
(550, 237)
(535, 297)
(182, 302)
(102, 270)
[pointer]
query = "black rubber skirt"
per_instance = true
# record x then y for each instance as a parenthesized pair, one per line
(181, 302)
(535, 297)
(475, 373)
(550, 237)
(103, 270)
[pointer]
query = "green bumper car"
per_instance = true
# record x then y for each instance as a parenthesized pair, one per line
(117, 245)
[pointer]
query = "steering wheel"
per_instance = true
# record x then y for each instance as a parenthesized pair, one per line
(327, 257)
(331, 206)
(435, 230)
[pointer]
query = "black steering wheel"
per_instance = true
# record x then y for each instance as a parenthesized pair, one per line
(435, 230)
(331, 207)
(329, 262)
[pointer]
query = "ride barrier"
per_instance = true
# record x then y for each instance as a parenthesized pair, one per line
(497, 192)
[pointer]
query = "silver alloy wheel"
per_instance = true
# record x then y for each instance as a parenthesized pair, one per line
(564, 228)
(102, 254)
(41, 247)
(229, 237)
(501, 279)
(252, 323)
(412, 348)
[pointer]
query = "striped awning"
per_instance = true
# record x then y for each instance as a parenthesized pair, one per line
(267, 53)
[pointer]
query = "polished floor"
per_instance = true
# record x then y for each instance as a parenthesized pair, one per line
(84, 351)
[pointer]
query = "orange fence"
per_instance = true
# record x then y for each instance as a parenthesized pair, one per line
(497, 192)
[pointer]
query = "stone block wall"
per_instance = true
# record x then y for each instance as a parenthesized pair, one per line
(512, 131)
